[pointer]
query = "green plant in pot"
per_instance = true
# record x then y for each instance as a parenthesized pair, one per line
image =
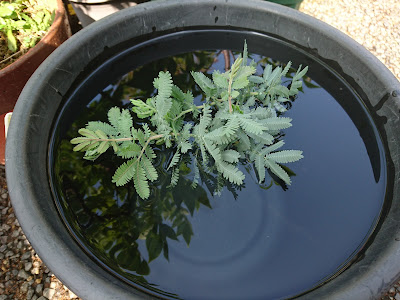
(22, 25)
(29, 31)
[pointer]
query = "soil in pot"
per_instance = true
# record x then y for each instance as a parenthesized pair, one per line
(263, 241)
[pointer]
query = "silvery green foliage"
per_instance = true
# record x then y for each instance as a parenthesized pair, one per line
(239, 121)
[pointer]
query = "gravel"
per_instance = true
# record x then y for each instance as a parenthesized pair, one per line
(373, 23)
(23, 275)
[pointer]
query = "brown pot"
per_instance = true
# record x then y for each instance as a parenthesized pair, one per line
(14, 77)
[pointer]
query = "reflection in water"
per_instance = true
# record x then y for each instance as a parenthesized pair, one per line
(113, 220)
(264, 244)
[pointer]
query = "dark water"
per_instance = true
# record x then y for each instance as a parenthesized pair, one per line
(268, 242)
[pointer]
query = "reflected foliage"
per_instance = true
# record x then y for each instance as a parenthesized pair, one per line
(114, 223)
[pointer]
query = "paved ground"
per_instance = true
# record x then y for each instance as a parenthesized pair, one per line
(373, 23)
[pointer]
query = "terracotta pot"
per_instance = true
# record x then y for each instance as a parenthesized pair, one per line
(14, 77)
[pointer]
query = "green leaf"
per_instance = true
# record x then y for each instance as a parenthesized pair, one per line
(79, 140)
(114, 115)
(5, 12)
(125, 172)
(212, 149)
(185, 146)
(203, 82)
(151, 172)
(244, 140)
(264, 138)
(168, 232)
(81, 146)
(129, 150)
(174, 177)
(277, 170)
(235, 94)
(220, 80)
(277, 123)
(251, 126)
(164, 85)
(256, 79)
(175, 159)
(230, 172)
(103, 147)
(186, 230)
(11, 41)
(154, 245)
(190, 204)
(230, 156)
(205, 120)
(267, 72)
(143, 268)
(143, 109)
(87, 133)
(231, 126)
(140, 182)
(104, 127)
(240, 83)
(285, 156)
(236, 67)
(196, 176)
(125, 123)
(272, 148)
(260, 167)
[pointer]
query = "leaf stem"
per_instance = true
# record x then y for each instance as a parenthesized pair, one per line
(230, 94)
(109, 140)
(154, 137)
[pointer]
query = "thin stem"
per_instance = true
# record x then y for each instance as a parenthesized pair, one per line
(110, 140)
(11, 56)
(154, 137)
(191, 109)
(184, 113)
(230, 95)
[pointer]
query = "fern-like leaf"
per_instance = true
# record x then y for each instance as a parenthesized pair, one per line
(175, 159)
(196, 176)
(231, 126)
(125, 123)
(205, 120)
(129, 150)
(230, 172)
(151, 172)
(125, 172)
(285, 156)
(164, 85)
(272, 148)
(185, 146)
(277, 123)
(220, 80)
(114, 115)
(244, 141)
(213, 150)
(277, 170)
(140, 182)
(230, 156)
(264, 138)
(104, 127)
(174, 177)
(204, 83)
(251, 126)
(260, 167)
